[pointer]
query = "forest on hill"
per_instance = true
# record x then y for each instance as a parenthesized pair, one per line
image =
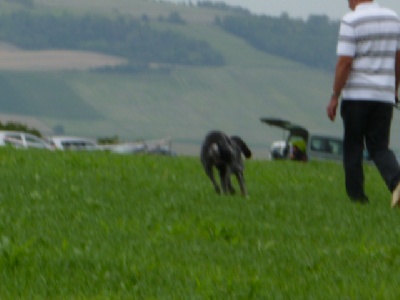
(310, 42)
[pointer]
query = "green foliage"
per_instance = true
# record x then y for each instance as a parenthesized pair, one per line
(223, 6)
(108, 140)
(25, 3)
(312, 42)
(15, 126)
(175, 18)
(79, 225)
(123, 36)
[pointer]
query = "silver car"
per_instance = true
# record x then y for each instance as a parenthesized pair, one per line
(19, 139)
(73, 143)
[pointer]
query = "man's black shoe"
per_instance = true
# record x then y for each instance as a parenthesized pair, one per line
(361, 200)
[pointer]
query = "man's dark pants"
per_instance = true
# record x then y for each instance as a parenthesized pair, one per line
(367, 123)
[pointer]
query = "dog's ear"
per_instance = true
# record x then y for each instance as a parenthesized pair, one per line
(242, 145)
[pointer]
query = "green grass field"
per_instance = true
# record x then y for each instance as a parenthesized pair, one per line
(102, 226)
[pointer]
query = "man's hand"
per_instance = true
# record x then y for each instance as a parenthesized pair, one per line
(332, 108)
(343, 68)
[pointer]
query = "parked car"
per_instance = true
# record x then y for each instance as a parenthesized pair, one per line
(159, 146)
(19, 139)
(126, 148)
(317, 145)
(73, 143)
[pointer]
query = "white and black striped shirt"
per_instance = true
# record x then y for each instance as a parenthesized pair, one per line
(371, 35)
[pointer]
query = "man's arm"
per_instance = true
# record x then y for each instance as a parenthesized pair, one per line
(397, 69)
(343, 68)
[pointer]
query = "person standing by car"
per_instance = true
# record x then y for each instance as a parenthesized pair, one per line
(298, 151)
(367, 77)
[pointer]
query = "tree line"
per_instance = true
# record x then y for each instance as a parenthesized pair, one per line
(132, 38)
(16, 126)
(311, 42)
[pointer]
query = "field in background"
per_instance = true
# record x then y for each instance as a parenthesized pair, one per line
(77, 225)
(185, 103)
(54, 60)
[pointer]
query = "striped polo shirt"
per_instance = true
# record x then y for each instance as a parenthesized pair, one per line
(371, 35)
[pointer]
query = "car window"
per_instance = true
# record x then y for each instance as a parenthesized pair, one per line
(336, 146)
(13, 139)
(77, 145)
(34, 142)
(326, 145)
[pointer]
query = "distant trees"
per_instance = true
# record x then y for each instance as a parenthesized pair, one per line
(15, 126)
(175, 18)
(222, 6)
(123, 36)
(311, 42)
(27, 3)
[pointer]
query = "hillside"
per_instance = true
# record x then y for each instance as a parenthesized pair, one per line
(183, 102)
(152, 8)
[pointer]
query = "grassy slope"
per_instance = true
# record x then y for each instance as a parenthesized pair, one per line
(190, 101)
(43, 94)
(101, 226)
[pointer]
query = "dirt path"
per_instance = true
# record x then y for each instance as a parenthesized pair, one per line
(12, 58)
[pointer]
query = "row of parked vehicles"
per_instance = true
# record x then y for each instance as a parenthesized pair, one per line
(308, 145)
(19, 139)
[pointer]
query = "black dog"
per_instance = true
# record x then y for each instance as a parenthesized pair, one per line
(225, 154)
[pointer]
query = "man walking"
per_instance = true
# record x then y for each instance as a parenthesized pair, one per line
(367, 77)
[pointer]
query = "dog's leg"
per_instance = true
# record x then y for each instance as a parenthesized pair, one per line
(224, 177)
(230, 186)
(210, 174)
(240, 179)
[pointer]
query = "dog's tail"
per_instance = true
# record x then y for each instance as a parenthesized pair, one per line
(242, 145)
